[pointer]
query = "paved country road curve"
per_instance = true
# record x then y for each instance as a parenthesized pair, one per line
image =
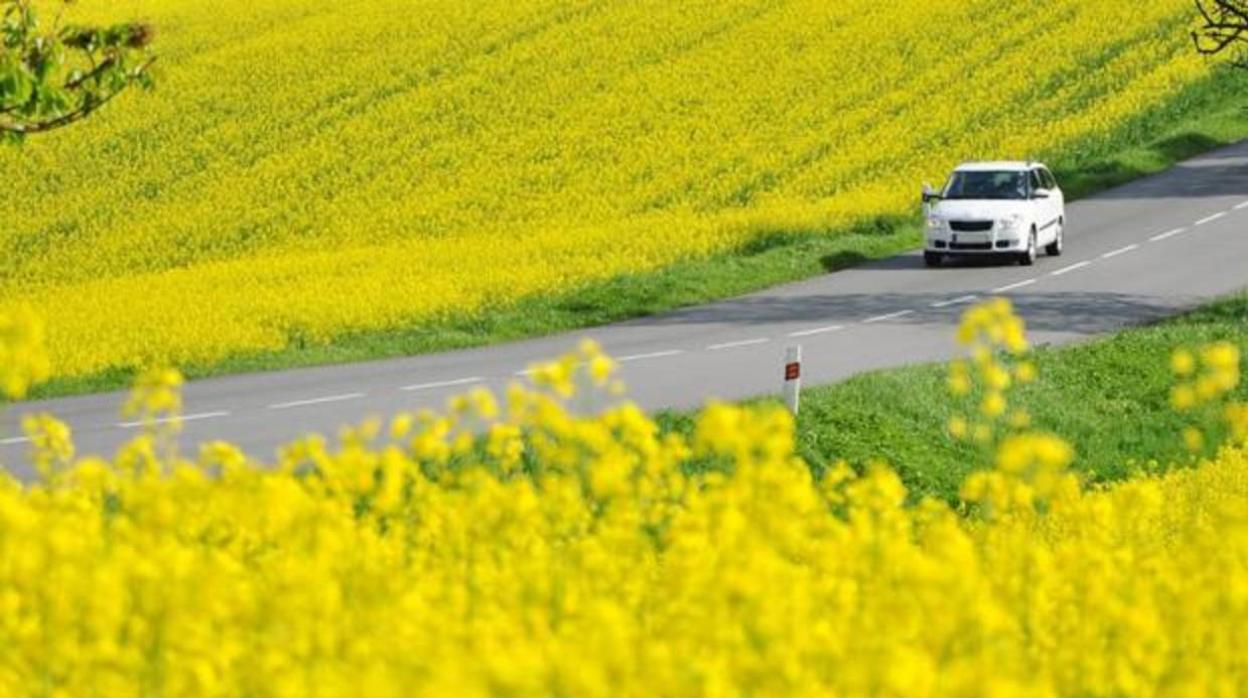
(1136, 253)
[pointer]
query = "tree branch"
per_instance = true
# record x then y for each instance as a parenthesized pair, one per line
(95, 72)
(51, 79)
(1225, 25)
(83, 111)
(60, 121)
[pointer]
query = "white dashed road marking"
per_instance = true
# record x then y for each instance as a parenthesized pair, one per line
(1168, 234)
(1211, 219)
(167, 420)
(734, 345)
(443, 384)
(1120, 250)
(817, 330)
(652, 355)
(14, 441)
(890, 316)
(1067, 270)
(1013, 287)
(316, 401)
(1242, 206)
(955, 301)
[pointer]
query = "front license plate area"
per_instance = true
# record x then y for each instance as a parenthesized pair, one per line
(972, 238)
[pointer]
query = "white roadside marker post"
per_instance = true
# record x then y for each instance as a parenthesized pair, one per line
(793, 378)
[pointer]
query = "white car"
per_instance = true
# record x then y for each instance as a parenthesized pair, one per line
(995, 208)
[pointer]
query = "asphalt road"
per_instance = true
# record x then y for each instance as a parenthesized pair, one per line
(1137, 253)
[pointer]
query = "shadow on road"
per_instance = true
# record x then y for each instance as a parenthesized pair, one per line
(1222, 172)
(1079, 313)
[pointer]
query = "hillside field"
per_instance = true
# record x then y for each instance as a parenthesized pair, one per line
(310, 170)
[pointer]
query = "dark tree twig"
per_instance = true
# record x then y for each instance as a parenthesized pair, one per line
(1223, 30)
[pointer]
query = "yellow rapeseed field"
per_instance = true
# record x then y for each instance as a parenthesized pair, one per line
(512, 548)
(309, 168)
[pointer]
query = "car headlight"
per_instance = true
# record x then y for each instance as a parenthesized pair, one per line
(1011, 223)
(935, 224)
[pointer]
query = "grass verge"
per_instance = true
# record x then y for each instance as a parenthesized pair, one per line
(1206, 116)
(1109, 398)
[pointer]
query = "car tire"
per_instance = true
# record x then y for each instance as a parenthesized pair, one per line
(1028, 258)
(932, 259)
(1054, 249)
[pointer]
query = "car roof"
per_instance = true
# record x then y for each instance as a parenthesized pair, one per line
(999, 166)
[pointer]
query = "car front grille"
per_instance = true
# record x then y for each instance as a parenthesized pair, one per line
(970, 226)
(971, 246)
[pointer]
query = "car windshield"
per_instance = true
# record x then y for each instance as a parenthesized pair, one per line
(987, 185)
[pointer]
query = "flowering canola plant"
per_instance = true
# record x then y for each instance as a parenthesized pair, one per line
(509, 545)
(313, 168)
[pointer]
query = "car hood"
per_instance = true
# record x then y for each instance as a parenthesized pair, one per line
(975, 210)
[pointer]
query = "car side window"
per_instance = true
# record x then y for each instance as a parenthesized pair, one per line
(1037, 182)
(1050, 182)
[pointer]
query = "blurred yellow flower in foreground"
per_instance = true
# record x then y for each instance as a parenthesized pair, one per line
(23, 353)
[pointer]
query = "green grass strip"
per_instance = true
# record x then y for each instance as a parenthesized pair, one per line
(1109, 398)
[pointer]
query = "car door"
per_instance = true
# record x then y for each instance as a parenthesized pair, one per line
(1045, 207)
(1057, 196)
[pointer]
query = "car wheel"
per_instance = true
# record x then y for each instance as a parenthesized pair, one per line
(1054, 249)
(932, 259)
(1028, 258)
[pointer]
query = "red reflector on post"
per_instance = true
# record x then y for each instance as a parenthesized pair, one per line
(793, 378)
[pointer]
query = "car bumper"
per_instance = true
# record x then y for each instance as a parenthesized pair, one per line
(975, 244)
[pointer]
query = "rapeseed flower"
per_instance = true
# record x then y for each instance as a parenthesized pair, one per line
(23, 352)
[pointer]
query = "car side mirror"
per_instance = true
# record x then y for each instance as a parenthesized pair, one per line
(1040, 195)
(929, 194)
